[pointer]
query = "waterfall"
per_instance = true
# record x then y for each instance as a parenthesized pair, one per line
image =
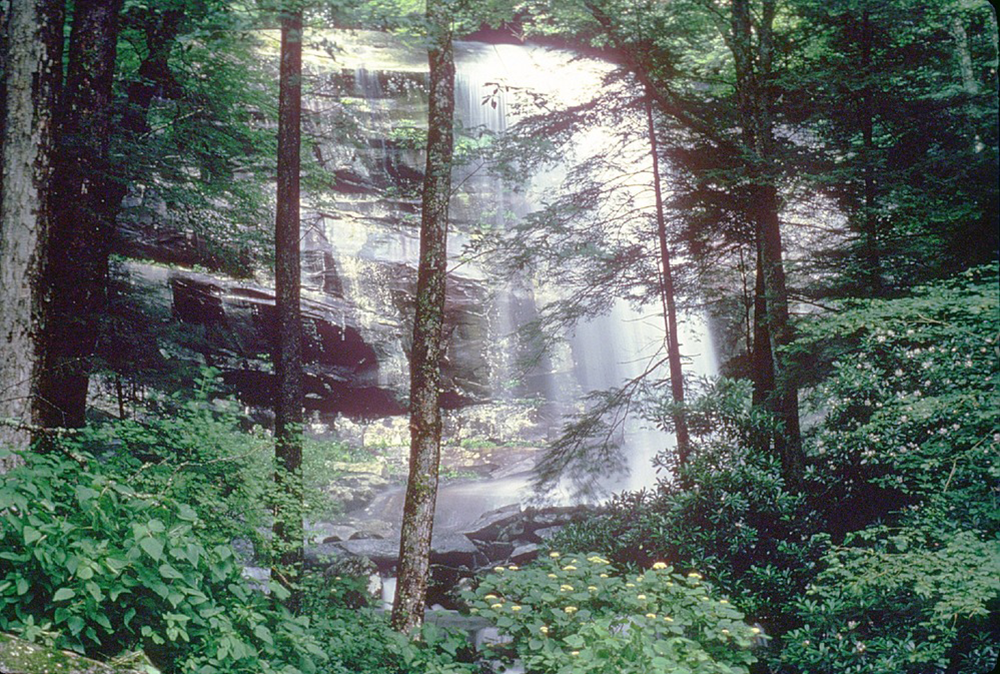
(374, 239)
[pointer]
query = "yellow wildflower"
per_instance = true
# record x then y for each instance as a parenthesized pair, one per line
(512, 567)
(543, 629)
(695, 575)
(668, 619)
(629, 584)
(650, 615)
(571, 609)
(592, 588)
(552, 575)
(554, 555)
(498, 569)
(490, 596)
(574, 652)
(641, 597)
(496, 606)
(566, 588)
(569, 567)
(515, 607)
(659, 565)
(604, 575)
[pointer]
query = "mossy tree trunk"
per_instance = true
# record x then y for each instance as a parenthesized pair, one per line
(33, 63)
(288, 418)
(425, 360)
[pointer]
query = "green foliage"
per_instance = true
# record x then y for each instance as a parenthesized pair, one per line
(910, 404)
(572, 613)
(357, 638)
(190, 447)
(193, 142)
(729, 515)
(902, 601)
(906, 459)
(93, 565)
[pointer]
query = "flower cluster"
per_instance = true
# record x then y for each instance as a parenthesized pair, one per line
(576, 606)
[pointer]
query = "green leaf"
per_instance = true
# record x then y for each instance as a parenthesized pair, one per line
(63, 594)
(31, 535)
(152, 547)
(263, 634)
(75, 624)
(168, 571)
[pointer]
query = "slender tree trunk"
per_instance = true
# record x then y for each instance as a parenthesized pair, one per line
(33, 74)
(288, 528)
(4, 14)
(669, 300)
(82, 228)
(762, 365)
(867, 118)
(754, 103)
(428, 348)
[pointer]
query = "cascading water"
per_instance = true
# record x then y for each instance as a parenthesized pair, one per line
(374, 247)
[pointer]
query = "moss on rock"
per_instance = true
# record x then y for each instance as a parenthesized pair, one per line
(18, 656)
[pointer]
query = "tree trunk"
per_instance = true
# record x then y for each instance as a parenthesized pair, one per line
(873, 259)
(33, 74)
(82, 229)
(288, 418)
(425, 360)
(762, 365)
(669, 301)
(753, 100)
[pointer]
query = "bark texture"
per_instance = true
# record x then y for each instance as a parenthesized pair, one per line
(753, 64)
(33, 74)
(669, 299)
(288, 528)
(428, 348)
(82, 229)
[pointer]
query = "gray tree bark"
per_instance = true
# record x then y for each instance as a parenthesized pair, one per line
(33, 73)
(425, 360)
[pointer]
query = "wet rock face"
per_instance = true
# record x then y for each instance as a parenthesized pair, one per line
(360, 244)
(342, 358)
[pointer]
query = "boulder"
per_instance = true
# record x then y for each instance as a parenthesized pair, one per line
(23, 657)
(523, 554)
(490, 525)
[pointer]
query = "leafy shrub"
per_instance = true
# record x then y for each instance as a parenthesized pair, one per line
(90, 564)
(193, 449)
(731, 517)
(909, 407)
(902, 602)
(356, 637)
(572, 614)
